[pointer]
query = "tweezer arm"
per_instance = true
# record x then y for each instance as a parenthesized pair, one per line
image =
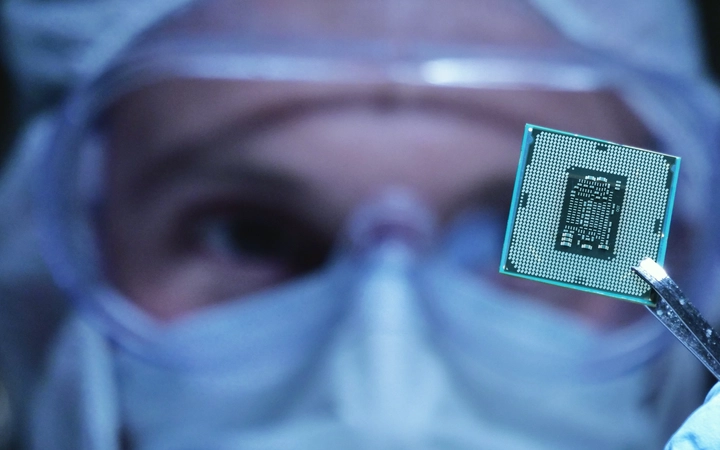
(680, 317)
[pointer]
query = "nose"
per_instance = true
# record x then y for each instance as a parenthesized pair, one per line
(387, 239)
(384, 368)
(397, 216)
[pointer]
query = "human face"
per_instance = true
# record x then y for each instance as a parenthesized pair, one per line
(220, 188)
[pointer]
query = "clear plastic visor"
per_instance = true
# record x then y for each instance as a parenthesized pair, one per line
(194, 174)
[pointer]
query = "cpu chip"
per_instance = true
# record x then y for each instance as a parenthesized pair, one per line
(585, 211)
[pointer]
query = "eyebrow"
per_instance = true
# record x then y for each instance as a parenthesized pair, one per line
(188, 166)
(494, 194)
(190, 158)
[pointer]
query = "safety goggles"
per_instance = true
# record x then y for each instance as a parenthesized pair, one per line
(75, 192)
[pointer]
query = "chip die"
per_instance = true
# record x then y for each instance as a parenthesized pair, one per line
(585, 211)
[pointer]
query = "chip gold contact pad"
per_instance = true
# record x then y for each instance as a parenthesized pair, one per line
(585, 211)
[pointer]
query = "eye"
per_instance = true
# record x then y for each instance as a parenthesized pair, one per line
(251, 235)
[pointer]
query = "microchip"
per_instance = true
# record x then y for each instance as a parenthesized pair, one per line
(585, 211)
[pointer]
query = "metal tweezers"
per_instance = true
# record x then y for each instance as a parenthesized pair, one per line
(673, 309)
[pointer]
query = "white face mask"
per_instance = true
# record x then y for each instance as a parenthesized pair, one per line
(382, 350)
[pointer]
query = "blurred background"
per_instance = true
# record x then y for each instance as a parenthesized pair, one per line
(12, 114)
